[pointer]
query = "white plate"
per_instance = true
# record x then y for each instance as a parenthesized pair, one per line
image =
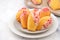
(50, 31)
(16, 23)
(25, 30)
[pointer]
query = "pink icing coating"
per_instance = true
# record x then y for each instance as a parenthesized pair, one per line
(34, 1)
(45, 9)
(47, 23)
(36, 16)
(23, 13)
(49, 1)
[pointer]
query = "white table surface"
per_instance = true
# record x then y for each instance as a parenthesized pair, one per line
(7, 9)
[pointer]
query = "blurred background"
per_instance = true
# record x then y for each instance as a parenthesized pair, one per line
(7, 9)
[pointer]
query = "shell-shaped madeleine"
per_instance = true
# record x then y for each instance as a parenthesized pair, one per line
(31, 24)
(44, 12)
(24, 20)
(42, 21)
(24, 17)
(20, 12)
(18, 15)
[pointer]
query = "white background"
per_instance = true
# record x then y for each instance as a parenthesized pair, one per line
(7, 9)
